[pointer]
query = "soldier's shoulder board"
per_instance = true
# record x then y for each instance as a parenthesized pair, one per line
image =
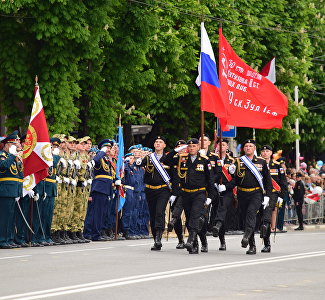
(276, 162)
(204, 156)
(214, 154)
(183, 154)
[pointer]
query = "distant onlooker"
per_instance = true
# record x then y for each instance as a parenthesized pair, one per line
(298, 196)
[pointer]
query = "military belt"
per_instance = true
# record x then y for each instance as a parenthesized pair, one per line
(192, 191)
(104, 176)
(11, 179)
(129, 187)
(155, 187)
(49, 180)
(249, 190)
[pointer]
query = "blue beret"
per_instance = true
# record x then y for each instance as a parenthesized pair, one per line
(132, 148)
(55, 141)
(129, 154)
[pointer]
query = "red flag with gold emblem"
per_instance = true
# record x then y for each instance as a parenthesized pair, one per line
(37, 157)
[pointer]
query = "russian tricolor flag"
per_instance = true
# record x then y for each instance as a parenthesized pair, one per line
(208, 81)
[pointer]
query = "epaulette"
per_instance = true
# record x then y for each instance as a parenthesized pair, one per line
(183, 154)
(204, 156)
(215, 154)
(231, 158)
(2, 153)
(260, 157)
(176, 155)
(276, 162)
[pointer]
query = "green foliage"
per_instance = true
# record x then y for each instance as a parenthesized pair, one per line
(100, 59)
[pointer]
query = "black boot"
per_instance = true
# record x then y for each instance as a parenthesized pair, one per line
(190, 241)
(56, 237)
(216, 229)
(181, 244)
(222, 243)
(81, 237)
(264, 230)
(171, 224)
(73, 236)
(195, 249)
(62, 237)
(247, 234)
(204, 243)
(267, 246)
(127, 236)
(157, 245)
(252, 247)
(67, 238)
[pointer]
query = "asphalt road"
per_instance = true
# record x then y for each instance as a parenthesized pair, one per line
(129, 270)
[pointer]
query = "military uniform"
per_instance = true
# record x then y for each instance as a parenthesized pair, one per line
(298, 196)
(226, 198)
(10, 191)
(279, 189)
(250, 195)
(196, 178)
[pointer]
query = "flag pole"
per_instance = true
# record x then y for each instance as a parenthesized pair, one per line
(220, 139)
(118, 192)
(31, 199)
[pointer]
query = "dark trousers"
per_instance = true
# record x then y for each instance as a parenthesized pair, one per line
(128, 210)
(193, 204)
(177, 210)
(280, 219)
(250, 203)
(7, 208)
(21, 227)
(267, 212)
(224, 204)
(157, 202)
(299, 214)
(48, 208)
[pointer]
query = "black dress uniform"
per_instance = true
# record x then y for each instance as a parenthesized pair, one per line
(226, 198)
(196, 182)
(250, 195)
(157, 194)
(298, 196)
(279, 189)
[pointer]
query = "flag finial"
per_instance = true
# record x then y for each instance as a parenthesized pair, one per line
(119, 121)
(36, 80)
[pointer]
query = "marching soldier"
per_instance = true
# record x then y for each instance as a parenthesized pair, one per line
(196, 177)
(279, 184)
(226, 190)
(254, 184)
(10, 188)
(157, 180)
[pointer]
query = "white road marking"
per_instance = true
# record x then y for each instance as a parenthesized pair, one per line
(155, 276)
(11, 257)
(81, 250)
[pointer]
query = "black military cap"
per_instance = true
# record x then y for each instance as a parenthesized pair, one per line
(299, 175)
(180, 142)
(249, 141)
(266, 147)
(223, 140)
(193, 141)
(55, 141)
(11, 138)
(106, 143)
(159, 137)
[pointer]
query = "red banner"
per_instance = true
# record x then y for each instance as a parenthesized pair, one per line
(37, 155)
(251, 99)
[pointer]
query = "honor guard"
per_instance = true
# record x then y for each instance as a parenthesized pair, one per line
(196, 177)
(254, 188)
(10, 188)
(157, 180)
(226, 190)
(279, 189)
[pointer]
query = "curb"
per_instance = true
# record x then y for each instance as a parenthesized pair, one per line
(306, 227)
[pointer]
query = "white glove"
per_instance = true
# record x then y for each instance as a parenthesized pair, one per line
(13, 149)
(56, 151)
(208, 201)
(118, 182)
(84, 183)
(89, 164)
(66, 180)
(31, 193)
(127, 159)
(74, 182)
(232, 169)
(70, 163)
(279, 202)
(17, 199)
(63, 162)
(265, 202)
(36, 197)
(138, 161)
(77, 164)
(221, 188)
(104, 149)
(58, 179)
(172, 199)
(89, 181)
(45, 195)
(180, 148)
(202, 152)
(93, 162)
